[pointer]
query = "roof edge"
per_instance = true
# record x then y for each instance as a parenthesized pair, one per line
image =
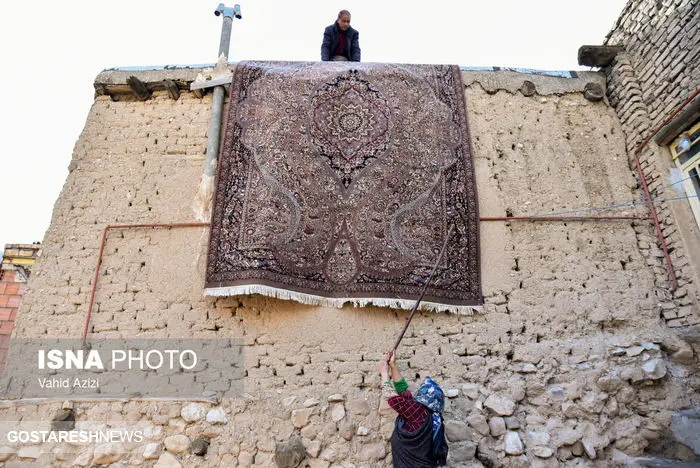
(132, 83)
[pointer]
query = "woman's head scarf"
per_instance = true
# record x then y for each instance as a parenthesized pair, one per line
(431, 396)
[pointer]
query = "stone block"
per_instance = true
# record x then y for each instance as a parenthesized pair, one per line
(497, 426)
(457, 431)
(177, 443)
(372, 452)
(462, 452)
(300, 417)
(478, 422)
(514, 446)
(500, 404)
(289, 454)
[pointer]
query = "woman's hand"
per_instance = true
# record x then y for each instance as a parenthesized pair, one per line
(391, 359)
(393, 368)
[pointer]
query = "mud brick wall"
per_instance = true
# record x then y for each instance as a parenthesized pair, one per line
(653, 76)
(566, 363)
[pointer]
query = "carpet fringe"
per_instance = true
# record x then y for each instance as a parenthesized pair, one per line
(312, 299)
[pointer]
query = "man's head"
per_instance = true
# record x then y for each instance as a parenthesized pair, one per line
(343, 20)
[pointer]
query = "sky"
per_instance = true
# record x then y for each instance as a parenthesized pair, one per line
(51, 51)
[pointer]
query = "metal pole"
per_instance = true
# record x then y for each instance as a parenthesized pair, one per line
(425, 288)
(217, 104)
(225, 42)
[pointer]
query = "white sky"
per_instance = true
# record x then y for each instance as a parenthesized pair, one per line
(51, 51)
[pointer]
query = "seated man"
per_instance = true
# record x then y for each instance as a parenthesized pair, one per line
(418, 440)
(340, 41)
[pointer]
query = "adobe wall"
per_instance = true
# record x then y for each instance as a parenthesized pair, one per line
(569, 356)
(655, 74)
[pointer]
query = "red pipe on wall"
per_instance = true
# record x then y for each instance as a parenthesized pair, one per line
(181, 225)
(654, 217)
(563, 218)
(647, 194)
(102, 248)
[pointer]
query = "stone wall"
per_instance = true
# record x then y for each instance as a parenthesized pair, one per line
(566, 364)
(653, 76)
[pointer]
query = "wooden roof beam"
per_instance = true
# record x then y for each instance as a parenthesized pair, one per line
(172, 88)
(139, 88)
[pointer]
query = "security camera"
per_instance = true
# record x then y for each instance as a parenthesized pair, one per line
(237, 11)
(219, 9)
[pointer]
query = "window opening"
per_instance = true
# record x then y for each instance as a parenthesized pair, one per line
(685, 150)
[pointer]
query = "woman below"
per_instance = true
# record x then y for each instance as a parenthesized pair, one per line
(418, 439)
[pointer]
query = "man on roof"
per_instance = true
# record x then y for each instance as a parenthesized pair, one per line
(340, 41)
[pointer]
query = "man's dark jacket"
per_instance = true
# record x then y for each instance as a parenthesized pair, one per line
(331, 38)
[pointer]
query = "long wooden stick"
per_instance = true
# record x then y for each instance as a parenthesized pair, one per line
(425, 287)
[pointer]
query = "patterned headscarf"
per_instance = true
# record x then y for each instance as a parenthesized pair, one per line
(431, 396)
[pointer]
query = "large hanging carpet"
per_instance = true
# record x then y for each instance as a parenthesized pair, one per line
(338, 182)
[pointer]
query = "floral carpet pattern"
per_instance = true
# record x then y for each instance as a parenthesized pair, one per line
(339, 182)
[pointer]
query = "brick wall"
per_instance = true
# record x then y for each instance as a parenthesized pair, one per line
(662, 45)
(654, 75)
(11, 291)
(17, 261)
(569, 324)
(12, 286)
